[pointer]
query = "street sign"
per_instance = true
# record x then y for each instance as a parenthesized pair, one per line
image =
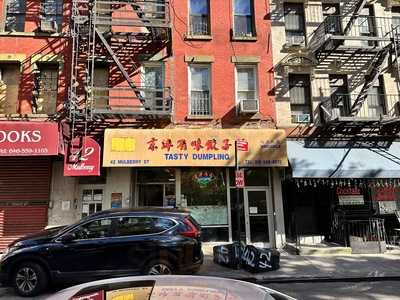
(242, 145)
(239, 178)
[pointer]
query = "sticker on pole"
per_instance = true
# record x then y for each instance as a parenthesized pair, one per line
(242, 145)
(239, 178)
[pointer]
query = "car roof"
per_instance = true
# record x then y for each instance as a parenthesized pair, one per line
(140, 211)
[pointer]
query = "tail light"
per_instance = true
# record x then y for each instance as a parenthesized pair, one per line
(190, 230)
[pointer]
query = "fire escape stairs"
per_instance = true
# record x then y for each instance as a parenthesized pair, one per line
(358, 7)
(371, 78)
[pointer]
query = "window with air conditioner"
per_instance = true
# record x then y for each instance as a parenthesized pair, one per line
(300, 98)
(52, 15)
(294, 23)
(243, 11)
(199, 17)
(153, 86)
(200, 90)
(15, 15)
(246, 88)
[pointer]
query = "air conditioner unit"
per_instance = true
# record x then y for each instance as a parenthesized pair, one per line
(48, 26)
(249, 106)
(301, 118)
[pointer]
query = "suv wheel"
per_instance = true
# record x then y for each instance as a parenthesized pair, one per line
(158, 267)
(29, 279)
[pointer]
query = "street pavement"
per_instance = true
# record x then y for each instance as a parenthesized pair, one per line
(378, 290)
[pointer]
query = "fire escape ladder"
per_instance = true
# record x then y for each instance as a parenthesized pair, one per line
(357, 10)
(375, 71)
(120, 66)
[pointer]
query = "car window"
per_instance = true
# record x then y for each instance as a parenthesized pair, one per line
(93, 230)
(141, 225)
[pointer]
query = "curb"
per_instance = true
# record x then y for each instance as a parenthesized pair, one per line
(317, 279)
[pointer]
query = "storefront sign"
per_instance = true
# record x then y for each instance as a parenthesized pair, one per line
(84, 158)
(242, 145)
(28, 138)
(239, 178)
(351, 200)
(386, 193)
(193, 147)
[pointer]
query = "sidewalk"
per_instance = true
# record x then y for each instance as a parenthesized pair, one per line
(327, 267)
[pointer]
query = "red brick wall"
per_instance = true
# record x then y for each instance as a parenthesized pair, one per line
(222, 69)
(38, 44)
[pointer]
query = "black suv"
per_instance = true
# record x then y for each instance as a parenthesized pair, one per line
(110, 243)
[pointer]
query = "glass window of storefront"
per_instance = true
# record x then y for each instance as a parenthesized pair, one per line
(204, 192)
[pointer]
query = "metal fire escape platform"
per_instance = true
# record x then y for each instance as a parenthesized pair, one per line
(364, 46)
(119, 36)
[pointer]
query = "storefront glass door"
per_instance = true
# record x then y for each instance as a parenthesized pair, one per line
(258, 216)
(154, 194)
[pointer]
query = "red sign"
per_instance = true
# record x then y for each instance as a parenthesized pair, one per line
(239, 179)
(385, 193)
(28, 138)
(84, 158)
(344, 191)
(242, 145)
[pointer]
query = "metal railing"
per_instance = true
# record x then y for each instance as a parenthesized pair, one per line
(368, 230)
(199, 25)
(339, 105)
(200, 103)
(156, 100)
(127, 13)
(363, 30)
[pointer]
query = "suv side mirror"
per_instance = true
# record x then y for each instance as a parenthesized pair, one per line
(67, 238)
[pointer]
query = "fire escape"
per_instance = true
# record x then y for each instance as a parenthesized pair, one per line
(119, 35)
(366, 47)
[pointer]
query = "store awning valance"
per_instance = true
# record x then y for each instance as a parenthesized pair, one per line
(343, 163)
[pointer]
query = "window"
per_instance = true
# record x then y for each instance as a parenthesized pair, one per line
(294, 23)
(339, 94)
(9, 87)
(199, 17)
(243, 18)
(153, 86)
(376, 100)
(93, 230)
(46, 89)
(246, 85)
(15, 18)
(200, 96)
(52, 15)
(331, 13)
(300, 98)
(92, 200)
(126, 226)
(396, 18)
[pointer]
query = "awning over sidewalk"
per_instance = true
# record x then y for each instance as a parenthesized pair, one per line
(343, 163)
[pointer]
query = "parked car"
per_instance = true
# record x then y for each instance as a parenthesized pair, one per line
(111, 243)
(169, 288)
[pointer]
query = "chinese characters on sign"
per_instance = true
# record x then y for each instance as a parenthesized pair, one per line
(193, 147)
(239, 179)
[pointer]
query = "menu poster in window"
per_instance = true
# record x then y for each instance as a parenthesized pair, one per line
(66, 205)
(116, 200)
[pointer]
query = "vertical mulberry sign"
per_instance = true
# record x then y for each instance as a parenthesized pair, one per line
(82, 158)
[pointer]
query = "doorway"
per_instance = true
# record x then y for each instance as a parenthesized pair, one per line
(256, 216)
(157, 194)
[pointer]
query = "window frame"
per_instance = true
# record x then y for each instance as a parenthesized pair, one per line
(54, 17)
(209, 67)
(253, 23)
(309, 104)
(19, 14)
(304, 29)
(189, 29)
(256, 84)
(58, 239)
(160, 65)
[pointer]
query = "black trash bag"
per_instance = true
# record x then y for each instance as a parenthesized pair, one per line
(257, 260)
(228, 255)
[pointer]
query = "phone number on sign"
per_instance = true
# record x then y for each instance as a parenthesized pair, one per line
(24, 151)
